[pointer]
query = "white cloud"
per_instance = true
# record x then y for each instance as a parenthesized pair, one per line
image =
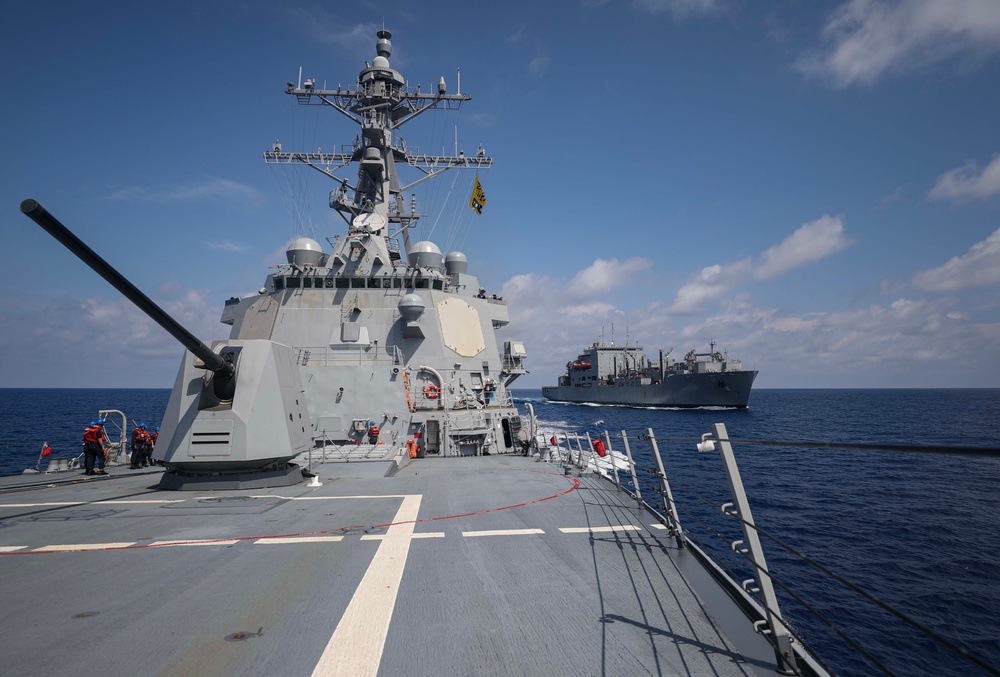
(682, 9)
(100, 341)
(539, 64)
(211, 188)
(979, 267)
(226, 246)
(904, 342)
(967, 182)
(603, 275)
(811, 242)
(868, 39)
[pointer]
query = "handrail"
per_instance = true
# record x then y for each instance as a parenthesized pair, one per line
(636, 479)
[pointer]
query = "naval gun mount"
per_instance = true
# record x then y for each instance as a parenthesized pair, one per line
(237, 413)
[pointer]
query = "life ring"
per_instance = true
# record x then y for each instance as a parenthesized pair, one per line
(431, 391)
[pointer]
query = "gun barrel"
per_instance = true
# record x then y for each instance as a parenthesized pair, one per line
(37, 213)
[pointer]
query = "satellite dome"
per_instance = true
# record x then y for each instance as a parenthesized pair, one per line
(380, 62)
(424, 254)
(456, 262)
(411, 307)
(304, 251)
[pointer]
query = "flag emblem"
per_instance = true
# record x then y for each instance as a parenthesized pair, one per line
(478, 199)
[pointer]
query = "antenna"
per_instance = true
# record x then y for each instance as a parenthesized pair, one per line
(300, 78)
(459, 80)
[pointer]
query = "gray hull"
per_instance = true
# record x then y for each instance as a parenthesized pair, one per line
(728, 389)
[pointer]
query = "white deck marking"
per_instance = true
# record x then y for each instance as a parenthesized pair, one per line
(357, 643)
(597, 530)
(425, 534)
(12, 548)
(83, 546)
(657, 525)
(503, 532)
(167, 544)
(300, 539)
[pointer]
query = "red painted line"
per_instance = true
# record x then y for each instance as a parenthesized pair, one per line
(170, 544)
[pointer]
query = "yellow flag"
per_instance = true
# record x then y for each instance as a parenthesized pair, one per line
(478, 199)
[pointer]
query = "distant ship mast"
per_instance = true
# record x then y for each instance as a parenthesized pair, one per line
(380, 104)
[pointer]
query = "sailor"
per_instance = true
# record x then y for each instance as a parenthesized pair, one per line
(140, 447)
(102, 454)
(93, 447)
(372, 433)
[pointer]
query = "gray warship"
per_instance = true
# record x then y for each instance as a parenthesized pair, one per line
(462, 540)
(614, 374)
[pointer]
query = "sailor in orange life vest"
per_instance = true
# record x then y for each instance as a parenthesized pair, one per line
(93, 448)
(372, 433)
(141, 447)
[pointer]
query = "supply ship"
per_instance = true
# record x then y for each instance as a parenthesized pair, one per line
(612, 374)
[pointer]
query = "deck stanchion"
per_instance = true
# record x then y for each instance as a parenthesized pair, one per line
(668, 498)
(631, 465)
(614, 465)
(593, 454)
(782, 641)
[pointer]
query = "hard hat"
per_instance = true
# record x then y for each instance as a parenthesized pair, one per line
(100, 421)
(142, 425)
(92, 423)
(156, 428)
(371, 422)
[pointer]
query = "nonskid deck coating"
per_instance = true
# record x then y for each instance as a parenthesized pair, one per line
(562, 576)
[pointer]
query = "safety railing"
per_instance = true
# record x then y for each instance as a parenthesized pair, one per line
(734, 548)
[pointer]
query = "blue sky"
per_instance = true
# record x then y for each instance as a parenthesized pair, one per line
(814, 185)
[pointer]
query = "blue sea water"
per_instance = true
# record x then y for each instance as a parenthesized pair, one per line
(918, 531)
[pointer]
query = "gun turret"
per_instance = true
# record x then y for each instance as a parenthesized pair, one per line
(215, 435)
(222, 364)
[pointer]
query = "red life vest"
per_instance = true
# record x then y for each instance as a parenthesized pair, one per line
(600, 448)
(91, 434)
(373, 431)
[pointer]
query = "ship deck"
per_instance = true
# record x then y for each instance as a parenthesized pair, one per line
(452, 566)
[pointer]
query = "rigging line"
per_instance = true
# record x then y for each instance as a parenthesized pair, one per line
(461, 219)
(734, 576)
(469, 216)
(960, 650)
(434, 225)
(865, 446)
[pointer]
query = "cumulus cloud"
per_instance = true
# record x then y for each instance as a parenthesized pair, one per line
(810, 242)
(868, 39)
(968, 183)
(211, 188)
(604, 275)
(979, 267)
(903, 342)
(101, 341)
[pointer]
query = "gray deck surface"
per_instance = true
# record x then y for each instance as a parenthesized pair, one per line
(256, 587)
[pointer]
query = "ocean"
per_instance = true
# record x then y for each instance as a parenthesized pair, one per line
(918, 531)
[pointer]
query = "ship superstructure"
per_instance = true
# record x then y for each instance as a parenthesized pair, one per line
(407, 342)
(621, 374)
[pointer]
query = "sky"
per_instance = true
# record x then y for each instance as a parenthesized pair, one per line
(815, 186)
